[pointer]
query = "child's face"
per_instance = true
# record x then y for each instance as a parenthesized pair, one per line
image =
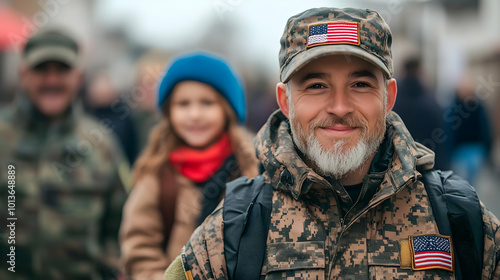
(197, 114)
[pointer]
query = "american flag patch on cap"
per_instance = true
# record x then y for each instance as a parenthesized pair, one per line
(333, 33)
(432, 251)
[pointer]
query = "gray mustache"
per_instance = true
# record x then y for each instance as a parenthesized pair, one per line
(334, 120)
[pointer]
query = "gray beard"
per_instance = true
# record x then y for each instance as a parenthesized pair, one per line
(339, 160)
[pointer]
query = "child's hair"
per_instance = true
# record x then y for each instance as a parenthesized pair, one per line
(163, 140)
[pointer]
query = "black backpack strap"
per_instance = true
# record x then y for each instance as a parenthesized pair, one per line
(254, 239)
(246, 213)
(457, 211)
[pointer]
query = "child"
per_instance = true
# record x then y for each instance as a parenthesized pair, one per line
(181, 175)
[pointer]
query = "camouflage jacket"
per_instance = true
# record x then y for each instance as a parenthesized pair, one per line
(66, 196)
(318, 232)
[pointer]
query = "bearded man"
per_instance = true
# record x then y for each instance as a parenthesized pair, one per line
(350, 194)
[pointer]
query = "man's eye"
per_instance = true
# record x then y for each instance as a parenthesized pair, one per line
(316, 86)
(40, 68)
(182, 103)
(361, 84)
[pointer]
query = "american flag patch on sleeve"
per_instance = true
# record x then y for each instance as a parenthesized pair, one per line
(333, 33)
(432, 251)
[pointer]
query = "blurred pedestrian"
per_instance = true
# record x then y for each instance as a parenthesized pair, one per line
(105, 103)
(422, 115)
(261, 102)
(471, 134)
(181, 175)
(145, 114)
(68, 187)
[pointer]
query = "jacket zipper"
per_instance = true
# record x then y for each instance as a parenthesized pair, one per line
(344, 228)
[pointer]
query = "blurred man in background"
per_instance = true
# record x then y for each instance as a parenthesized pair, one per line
(421, 113)
(471, 136)
(150, 67)
(104, 102)
(67, 193)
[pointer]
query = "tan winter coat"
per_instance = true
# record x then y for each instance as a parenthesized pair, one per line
(142, 232)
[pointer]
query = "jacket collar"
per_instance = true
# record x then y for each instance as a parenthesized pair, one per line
(288, 172)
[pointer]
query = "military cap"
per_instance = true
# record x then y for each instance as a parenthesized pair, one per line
(50, 45)
(321, 32)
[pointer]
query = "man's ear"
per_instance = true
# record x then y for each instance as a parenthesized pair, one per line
(282, 98)
(392, 92)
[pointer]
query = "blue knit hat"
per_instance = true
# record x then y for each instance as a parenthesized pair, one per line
(208, 69)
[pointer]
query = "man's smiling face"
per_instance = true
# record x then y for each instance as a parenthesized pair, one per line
(337, 107)
(51, 86)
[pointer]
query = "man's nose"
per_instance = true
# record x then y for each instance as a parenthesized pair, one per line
(339, 103)
(52, 76)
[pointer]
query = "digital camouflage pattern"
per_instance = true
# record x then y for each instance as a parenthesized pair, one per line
(308, 237)
(375, 39)
(68, 195)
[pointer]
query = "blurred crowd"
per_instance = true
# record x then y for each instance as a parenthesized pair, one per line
(108, 122)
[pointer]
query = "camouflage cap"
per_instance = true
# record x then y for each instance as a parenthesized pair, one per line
(50, 45)
(321, 32)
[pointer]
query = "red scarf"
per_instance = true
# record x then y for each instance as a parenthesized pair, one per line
(200, 165)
